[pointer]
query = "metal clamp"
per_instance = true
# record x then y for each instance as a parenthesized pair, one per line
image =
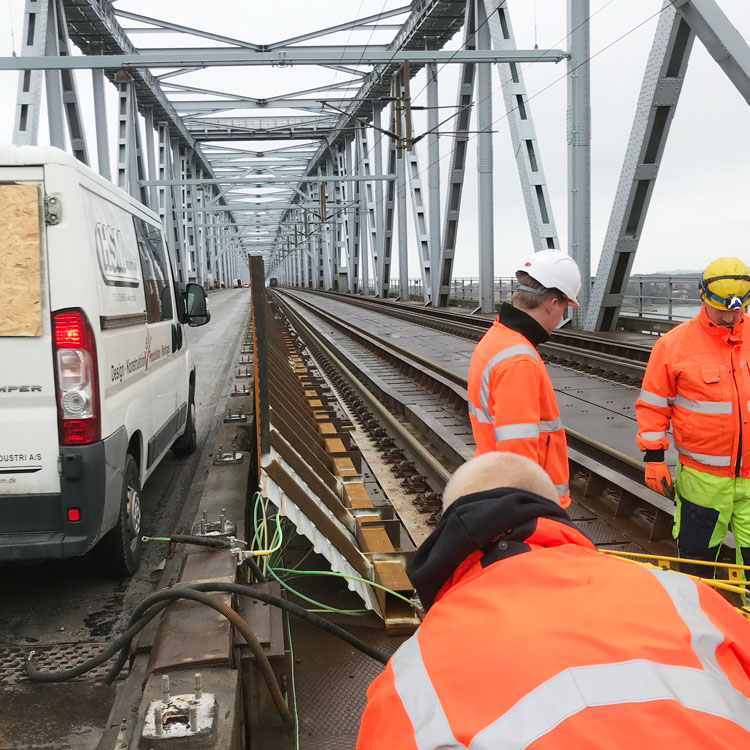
(185, 715)
(239, 416)
(232, 457)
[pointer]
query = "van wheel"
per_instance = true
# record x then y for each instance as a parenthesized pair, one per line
(186, 444)
(119, 552)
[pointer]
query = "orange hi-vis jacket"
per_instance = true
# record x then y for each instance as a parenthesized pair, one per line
(534, 639)
(512, 404)
(698, 377)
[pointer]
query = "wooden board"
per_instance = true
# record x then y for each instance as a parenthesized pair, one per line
(21, 311)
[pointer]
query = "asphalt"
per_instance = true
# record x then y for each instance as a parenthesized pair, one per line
(66, 610)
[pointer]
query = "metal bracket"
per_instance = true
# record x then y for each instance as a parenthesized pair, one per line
(231, 457)
(52, 210)
(187, 715)
(240, 416)
(223, 527)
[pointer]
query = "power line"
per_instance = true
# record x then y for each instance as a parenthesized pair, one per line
(557, 80)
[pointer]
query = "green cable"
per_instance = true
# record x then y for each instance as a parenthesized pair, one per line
(294, 687)
(353, 578)
(312, 601)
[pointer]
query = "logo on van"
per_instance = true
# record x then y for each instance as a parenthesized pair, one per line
(116, 269)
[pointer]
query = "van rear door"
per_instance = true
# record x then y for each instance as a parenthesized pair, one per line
(29, 445)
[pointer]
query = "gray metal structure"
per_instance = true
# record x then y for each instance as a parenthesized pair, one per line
(679, 23)
(321, 180)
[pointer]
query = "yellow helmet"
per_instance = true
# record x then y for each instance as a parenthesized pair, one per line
(726, 284)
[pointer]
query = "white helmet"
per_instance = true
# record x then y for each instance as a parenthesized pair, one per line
(554, 269)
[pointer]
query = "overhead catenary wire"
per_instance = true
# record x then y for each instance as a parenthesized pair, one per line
(459, 109)
(548, 86)
(527, 66)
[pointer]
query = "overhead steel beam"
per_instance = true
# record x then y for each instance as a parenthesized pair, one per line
(456, 172)
(219, 105)
(722, 40)
(579, 147)
(485, 185)
(93, 28)
(657, 102)
(213, 57)
(522, 133)
(170, 26)
(340, 27)
(265, 179)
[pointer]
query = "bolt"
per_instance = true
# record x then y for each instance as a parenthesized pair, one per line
(158, 720)
(165, 688)
(222, 520)
(198, 686)
(193, 716)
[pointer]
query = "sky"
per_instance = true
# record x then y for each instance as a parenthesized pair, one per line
(699, 208)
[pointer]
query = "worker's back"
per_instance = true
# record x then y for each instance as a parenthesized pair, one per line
(538, 640)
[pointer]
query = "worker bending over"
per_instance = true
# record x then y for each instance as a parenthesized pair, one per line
(512, 404)
(533, 638)
(698, 378)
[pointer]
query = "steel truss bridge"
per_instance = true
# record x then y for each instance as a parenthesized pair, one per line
(326, 208)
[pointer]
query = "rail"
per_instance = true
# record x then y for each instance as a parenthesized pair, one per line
(603, 356)
(604, 481)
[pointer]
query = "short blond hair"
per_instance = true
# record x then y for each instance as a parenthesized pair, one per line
(498, 469)
(529, 300)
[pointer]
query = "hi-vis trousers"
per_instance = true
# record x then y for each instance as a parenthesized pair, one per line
(706, 506)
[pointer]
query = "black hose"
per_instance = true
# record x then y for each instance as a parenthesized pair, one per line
(122, 641)
(330, 627)
(139, 621)
(216, 542)
(154, 604)
(249, 591)
(256, 571)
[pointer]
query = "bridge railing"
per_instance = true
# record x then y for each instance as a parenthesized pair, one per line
(663, 297)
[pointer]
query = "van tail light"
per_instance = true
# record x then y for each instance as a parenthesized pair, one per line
(77, 378)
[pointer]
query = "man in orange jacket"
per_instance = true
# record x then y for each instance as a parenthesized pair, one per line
(698, 378)
(512, 405)
(533, 638)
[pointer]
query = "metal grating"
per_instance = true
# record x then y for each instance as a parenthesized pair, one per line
(599, 533)
(330, 718)
(50, 658)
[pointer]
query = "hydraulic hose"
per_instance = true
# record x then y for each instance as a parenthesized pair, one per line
(144, 614)
(149, 603)
(215, 542)
(155, 603)
(256, 571)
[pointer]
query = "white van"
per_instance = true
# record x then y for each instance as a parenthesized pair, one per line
(96, 380)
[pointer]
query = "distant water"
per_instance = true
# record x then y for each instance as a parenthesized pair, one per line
(679, 311)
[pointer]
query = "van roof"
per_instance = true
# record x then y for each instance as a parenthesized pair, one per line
(28, 156)
(17, 156)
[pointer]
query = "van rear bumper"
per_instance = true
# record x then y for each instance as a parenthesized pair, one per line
(48, 545)
(36, 527)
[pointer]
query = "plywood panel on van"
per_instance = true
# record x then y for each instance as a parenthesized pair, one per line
(20, 311)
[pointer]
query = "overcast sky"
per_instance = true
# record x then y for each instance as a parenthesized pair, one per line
(700, 205)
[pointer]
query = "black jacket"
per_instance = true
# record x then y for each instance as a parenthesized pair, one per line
(496, 522)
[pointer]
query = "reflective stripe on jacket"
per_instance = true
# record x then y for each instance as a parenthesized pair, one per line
(512, 405)
(698, 378)
(538, 640)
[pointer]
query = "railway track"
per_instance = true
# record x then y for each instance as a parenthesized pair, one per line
(416, 411)
(622, 362)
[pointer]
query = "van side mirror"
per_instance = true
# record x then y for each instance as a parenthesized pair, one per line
(196, 305)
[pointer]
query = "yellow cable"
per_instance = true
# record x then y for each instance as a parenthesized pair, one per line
(665, 558)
